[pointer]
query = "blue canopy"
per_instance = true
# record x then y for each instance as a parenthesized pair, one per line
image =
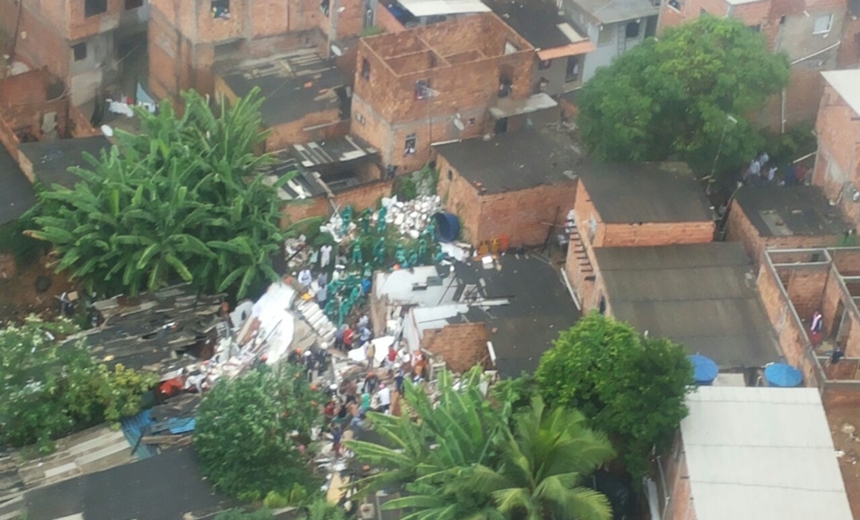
(782, 375)
(704, 369)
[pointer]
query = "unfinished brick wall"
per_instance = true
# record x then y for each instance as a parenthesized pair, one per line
(317, 126)
(81, 26)
(740, 229)
(837, 164)
(360, 198)
(461, 345)
(386, 20)
(460, 198)
(524, 216)
(793, 339)
(679, 492)
(656, 234)
(448, 56)
(44, 44)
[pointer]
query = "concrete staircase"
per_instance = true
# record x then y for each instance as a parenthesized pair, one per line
(579, 253)
(316, 318)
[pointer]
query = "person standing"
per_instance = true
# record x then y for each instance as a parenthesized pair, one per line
(305, 277)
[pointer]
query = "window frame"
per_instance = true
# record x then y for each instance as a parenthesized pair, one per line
(829, 18)
(96, 8)
(406, 148)
(82, 45)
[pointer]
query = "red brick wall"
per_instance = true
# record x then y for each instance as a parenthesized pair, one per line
(45, 44)
(740, 229)
(656, 234)
(523, 216)
(459, 198)
(681, 505)
(360, 197)
(792, 336)
(838, 160)
(319, 125)
(386, 20)
(461, 345)
(83, 27)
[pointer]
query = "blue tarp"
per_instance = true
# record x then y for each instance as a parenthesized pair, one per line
(134, 428)
(782, 375)
(704, 369)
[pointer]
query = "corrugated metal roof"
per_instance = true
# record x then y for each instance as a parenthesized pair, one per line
(761, 454)
(439, 7)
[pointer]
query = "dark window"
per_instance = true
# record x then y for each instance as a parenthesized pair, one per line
(133, 4)
(632, 30)
(501, 126)
(450, 175)
(80, 51)
(782, 20)
(411, 144)
(365, 68)
(571, 72)
(221, 9)
(422, 89)
(755, 28)
(545, 64)
(675, 4)
(94, 7)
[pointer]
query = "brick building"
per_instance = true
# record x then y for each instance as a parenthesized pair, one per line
(189, 40)
(82, 42)
(503, 315)
(451, 80)
(837, 165)
(561, 49)
(306, 98)
(516, 185)
(816, 35)
(642, 252)
(624, 206)
(398, 15)
(783, 218)
(753, 454)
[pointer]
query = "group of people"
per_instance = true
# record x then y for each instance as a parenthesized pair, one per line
(762, 171)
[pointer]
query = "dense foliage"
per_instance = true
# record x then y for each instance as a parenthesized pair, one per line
(629, 386)
(178, 201)
(245, 432)
(674, 97)
(51, 389)
(485, 465)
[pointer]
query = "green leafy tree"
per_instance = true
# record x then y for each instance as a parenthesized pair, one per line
(245, 432)
(52, 388)
(181, 200)
(630, 387)
(481, 468)
(544, 465)
(674, 97)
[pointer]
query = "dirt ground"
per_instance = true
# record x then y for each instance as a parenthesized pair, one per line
(18, 295)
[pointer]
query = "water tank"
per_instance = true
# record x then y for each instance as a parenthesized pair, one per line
(782, 375)
(447, 226)
(704, 369)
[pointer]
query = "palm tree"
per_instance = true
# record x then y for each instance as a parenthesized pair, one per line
(543, 467)
(426, 455)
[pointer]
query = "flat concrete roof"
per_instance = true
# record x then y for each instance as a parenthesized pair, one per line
(443, 7)
(16, 191)
(538, 22)
(847, 84)
(644, 193)
(52, 159)
(293, 85)
(702, 296)
(513, 161)
(789, 211)
(612, 11)
(761, 454)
